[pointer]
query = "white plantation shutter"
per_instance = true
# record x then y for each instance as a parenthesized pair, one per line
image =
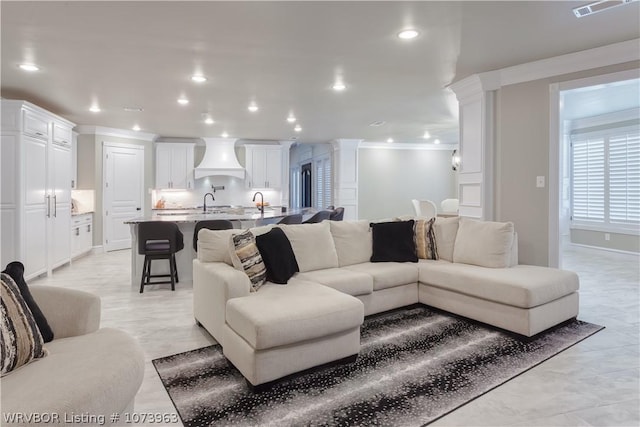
(323, 183)
(606, 179)
(624, 179)
(588, 180)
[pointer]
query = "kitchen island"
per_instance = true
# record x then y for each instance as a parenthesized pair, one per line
(186, 220)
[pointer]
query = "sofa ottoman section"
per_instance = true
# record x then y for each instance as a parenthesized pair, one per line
(284, 329)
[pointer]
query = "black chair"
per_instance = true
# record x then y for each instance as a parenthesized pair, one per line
(159, 240)
(211, 224)
(291, 219)
(337, 214)
(318, 217)
(330, 207)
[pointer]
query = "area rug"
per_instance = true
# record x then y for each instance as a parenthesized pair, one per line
(415, 365)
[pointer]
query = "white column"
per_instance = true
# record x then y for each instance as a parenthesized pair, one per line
(286, 174)
(476, 98)
(345, 176)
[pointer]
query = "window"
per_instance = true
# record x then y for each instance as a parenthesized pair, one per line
(323, 185)
(606, 179)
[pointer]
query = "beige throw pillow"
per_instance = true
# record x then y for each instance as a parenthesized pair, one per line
(445, 230)
(484, 243)
(426, 247)
(352, 240)
(312, 245)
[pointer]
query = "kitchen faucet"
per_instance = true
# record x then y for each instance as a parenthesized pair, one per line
(261, 207)
(204, 202)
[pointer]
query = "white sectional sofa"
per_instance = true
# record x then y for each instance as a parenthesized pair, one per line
(315, 317)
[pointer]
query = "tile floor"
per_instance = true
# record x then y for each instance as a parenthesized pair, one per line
(595, 383)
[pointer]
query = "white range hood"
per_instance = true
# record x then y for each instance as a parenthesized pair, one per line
(219, 159)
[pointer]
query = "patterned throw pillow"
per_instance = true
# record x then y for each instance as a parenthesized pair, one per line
(20, 341)
(425, 239)
(246, 257)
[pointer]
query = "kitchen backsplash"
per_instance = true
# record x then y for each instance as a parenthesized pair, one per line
(235, 193)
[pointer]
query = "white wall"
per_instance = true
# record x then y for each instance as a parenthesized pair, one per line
(389, 178)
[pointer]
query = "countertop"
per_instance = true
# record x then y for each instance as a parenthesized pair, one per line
(81, 213)
(182, 217)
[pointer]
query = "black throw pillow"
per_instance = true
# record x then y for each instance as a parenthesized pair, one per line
(16, 271)
(277, 255)
(393, 241)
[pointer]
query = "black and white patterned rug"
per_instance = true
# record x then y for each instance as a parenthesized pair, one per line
(415, 365)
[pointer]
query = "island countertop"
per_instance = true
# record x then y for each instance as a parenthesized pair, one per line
(192, 217)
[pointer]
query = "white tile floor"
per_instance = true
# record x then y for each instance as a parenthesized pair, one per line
(595, 383)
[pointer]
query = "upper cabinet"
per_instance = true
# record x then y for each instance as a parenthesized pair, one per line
(264, 166)
(174, 166)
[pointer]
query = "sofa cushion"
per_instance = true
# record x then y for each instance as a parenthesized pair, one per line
(300, 311)
(21, 338)
(425, 239)
(523, 286)
(393, 242)
(484, 243)
(246, 257)
(350, 282)
(277, 256)
(445, 230)
(313, 245)
(213, 245)
(97, 373)
(15, 269)
(352, 240)
(388, 274)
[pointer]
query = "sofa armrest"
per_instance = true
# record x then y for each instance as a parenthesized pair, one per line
(214, 283)
(69, 312)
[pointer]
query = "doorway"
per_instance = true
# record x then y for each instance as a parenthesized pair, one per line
(123, 196)
(306, 185)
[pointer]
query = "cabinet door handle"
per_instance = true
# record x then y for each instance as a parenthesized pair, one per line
(55, 207)
(88, 228)
(48, 202)
(77, 231)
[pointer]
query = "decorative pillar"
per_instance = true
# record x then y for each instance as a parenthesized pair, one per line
(286, 173)
(345, 176)
(476, 98)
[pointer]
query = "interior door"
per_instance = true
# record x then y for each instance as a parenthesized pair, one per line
(123, 192)
(305, 187)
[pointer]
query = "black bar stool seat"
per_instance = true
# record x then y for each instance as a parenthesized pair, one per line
(159, 240)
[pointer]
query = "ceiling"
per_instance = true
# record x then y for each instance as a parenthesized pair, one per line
(285, 57)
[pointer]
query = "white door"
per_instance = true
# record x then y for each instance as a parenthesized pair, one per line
(123, 192)
(37, 208)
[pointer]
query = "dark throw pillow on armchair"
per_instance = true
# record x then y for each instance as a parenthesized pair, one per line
(277, 255)
(393, 241)
(16, 271)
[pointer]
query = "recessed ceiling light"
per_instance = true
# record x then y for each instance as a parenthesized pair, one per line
(95, 109)
(136, 128)
(183, 101)
(298, 128)
(408, 34)
(291, 118)
(436, 141)
(29, 67)
(339, 86)
(224, 135)
(198, 78)
(389, 140)
(426, 135)
(133, 109)
(209, 121)
(253, 107)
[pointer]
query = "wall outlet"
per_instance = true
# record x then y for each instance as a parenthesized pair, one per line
(540, 181)
(607, 236)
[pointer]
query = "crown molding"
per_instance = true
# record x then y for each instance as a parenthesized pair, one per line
(118, 133)
(408, 146)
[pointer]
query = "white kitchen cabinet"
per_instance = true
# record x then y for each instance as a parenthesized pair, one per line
(35, 201)
(264, 166)
(74, 161)
(174, 166)
(81, 234)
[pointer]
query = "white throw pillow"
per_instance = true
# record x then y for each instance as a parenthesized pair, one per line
(352, 240)
(312, 245)
(445, 230)
(213, 245)
(484, 243)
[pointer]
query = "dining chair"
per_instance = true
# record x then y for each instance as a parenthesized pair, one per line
(424, 208)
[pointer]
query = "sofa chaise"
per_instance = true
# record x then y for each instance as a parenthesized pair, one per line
(315, 318)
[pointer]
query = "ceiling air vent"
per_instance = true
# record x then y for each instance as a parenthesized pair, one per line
(598, 6)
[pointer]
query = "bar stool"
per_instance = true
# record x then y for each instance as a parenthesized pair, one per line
(337, 214)
(318, 217)
(291, 219)
(159, 240)
(211, 224)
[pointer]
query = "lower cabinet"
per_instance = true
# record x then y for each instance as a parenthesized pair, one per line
(81, 234)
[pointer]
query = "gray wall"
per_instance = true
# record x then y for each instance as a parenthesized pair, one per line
(90, 172)
(617, 241)
(388, 179)
(522, 153)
